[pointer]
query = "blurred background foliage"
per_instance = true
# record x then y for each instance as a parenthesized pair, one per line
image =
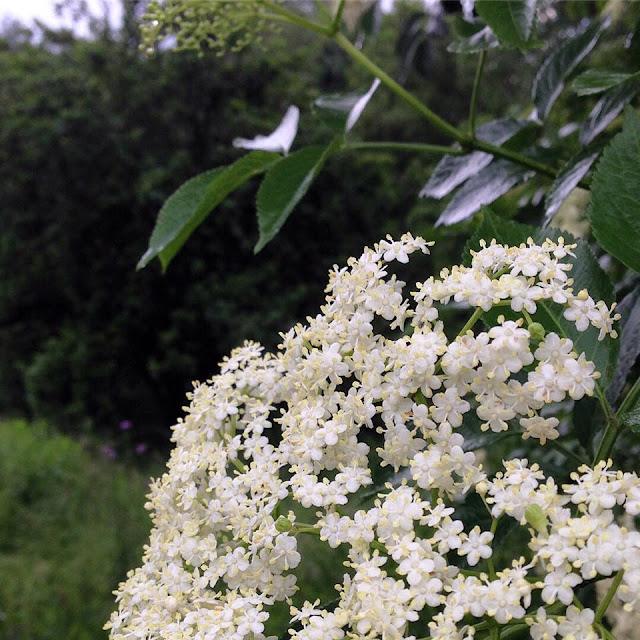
(72, 523)
(93, 138)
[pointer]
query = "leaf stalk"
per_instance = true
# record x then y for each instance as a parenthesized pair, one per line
(474, 95)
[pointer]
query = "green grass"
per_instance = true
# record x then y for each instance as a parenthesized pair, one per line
(71, 525)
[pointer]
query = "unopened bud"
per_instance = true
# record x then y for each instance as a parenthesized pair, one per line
(536, 330)
(283, 524)
(534, 515)
(482, 487)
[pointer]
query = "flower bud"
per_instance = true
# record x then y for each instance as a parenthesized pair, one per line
(534, 515)
(283, 524)
(482, 487)
(536, 330)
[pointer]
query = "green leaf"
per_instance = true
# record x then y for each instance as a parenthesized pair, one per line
(549, 80)
(607, 109)
(452, 171)
(483, 188)
(586, 273)
(567, 180)
(187, 207)
(482, 40)
(285, 185)
(464, 28)
(511, 20)
(341, 111)
(629, 309)
(333, 109)
(631, 421)
(598, 80)
(588, 419)
(615, 194)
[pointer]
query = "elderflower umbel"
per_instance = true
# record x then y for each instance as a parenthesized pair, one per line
(292, 426)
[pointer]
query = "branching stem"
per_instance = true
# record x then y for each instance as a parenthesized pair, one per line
(469, 143)
(404, 146)
(604, 605)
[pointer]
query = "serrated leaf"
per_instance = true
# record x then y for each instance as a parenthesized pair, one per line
(482, 40)
(187, 207)
(483, 188)
(607, 109)
(629, 309)
(333, 109)
(598, 80)
(631, 420)
(586, 273)
(360, 105)
(341, 111)
(280, 139)
(615, 195)
(549, 81)
(464, 28)
(285, 185)
(511, 20)
(452, 171)
(567, 180)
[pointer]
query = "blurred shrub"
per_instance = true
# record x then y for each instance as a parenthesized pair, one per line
(93, 137)
(70, 527)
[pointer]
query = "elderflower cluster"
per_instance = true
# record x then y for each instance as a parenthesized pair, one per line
(220, 25)
(289, 430)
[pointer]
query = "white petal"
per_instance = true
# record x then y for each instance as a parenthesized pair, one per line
(359, 106)
(280, 140)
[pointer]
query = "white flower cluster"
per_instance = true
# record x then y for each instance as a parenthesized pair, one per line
(220, 555)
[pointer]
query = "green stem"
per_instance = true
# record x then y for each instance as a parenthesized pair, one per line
(605, 634)
(337, 20)
(606, 406)
(607, 442)
(439, 123)
(470, 143)
(513, 630)
(527, 316)
(238, 465)
(323, 10)
(305, 528)
(404, 146)
(474, 95)
(471, 321)
(613, 420)
(293, 18)
(490, 565)
(514, 156)
(281, 14)
(630, 399)
(604, 605)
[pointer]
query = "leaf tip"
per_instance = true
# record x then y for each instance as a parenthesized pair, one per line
(145, 259)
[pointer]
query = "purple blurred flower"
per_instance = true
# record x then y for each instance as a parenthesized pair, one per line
(125, 425)
(141, 448)
(109, 451)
